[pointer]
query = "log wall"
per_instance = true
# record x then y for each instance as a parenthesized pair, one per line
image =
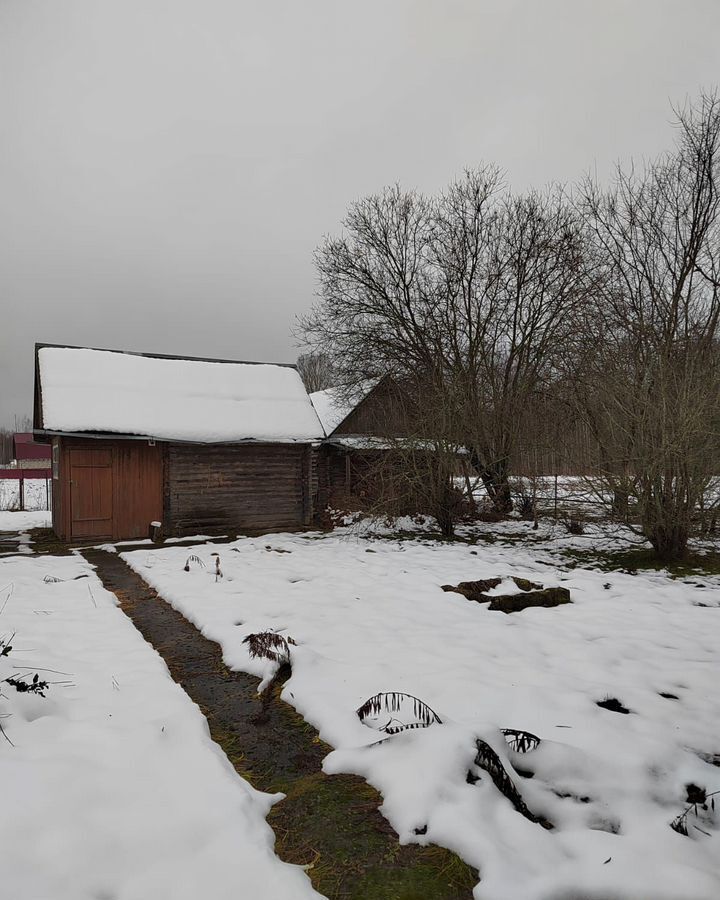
(382, 412)
(230, 489)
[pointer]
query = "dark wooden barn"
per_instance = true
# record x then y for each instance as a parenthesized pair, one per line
(357, 424)
(200, 446)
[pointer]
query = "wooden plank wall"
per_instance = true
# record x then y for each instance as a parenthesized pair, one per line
(232, 489)
(138, 497)
(382, 412)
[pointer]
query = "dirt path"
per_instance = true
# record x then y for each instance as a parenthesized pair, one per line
(331, 822)
(13, 543)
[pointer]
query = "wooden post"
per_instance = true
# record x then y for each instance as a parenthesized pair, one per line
(308, 511)
(22, 492)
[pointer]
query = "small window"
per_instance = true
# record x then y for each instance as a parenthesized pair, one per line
(55, 460)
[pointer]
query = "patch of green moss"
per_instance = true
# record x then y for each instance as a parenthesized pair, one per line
(332, 825)
(644, 560)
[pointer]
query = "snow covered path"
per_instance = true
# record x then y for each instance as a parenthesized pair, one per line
(330, 823)
(369, 616)
(112, 788)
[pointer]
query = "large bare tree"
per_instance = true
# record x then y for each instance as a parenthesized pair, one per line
(649, 378)
(466, 299)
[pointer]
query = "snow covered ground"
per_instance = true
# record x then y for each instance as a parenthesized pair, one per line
(369, 615)
(111, 787)
(22, 521)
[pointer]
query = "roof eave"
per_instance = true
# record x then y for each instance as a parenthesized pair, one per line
(116, 436)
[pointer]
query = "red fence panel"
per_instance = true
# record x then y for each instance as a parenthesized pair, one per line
(25, 474)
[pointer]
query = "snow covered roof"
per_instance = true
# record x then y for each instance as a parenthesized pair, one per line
(333, 405)
(372, 442)
(168, 398)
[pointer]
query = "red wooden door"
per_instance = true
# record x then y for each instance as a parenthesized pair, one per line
(91, 493)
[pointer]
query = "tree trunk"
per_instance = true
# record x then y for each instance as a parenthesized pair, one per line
(666, 522)
(468, 487)
(620, 504)
(446, 523)
(447, 508)
(669, 543)
(496, 481)
(497, 486)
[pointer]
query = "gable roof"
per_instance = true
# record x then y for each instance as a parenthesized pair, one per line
(333, 405)
(80, 389)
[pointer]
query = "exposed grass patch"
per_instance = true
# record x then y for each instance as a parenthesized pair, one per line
(636, 560)
(44, 540)
(332, 824)
(360, 856)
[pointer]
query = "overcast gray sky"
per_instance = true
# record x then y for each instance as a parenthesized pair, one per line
(168, 166)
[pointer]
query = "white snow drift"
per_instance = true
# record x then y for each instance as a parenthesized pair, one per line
(112, 787)
(370, 616)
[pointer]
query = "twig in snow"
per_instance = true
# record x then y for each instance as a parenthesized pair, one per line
(193, 559)
(28, 687)
(4, 734)
(36, 669)
(53, 579)
(392, 702)
(12, 589)
(488, 760)
(270, 645)
(520, 741)
(697, 796)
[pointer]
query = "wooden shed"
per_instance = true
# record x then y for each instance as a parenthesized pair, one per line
(202, 446)
(357, 423)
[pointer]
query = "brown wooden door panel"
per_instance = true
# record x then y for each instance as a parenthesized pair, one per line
(91, 493)
(91, 457)
(139, 498)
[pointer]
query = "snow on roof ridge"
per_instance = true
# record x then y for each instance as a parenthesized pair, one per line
(333, 406)
(165, 397)
(209, 359)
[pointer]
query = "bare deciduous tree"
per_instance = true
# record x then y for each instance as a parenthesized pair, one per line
(649, 379)
(467, 297)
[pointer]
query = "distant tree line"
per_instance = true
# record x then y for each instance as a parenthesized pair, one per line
(582, 322)
(316, 371)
